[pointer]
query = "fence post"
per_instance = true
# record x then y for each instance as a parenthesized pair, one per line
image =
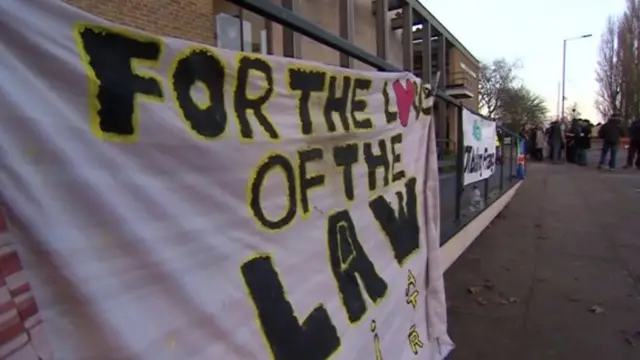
(513, 138)
(486, 191)
(459, 163)
(501, 140)
(486, 184)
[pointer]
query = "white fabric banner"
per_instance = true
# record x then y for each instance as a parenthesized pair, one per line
(170, 200)
(479, 147)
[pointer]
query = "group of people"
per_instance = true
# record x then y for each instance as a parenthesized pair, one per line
(571, 141)
(568, 141)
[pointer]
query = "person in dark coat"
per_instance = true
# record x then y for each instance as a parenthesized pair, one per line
(575, 131)
(539, 144)
(547, 141)
(583, 142)
(531, 144)
(633, 153)
(611, 134)
(556, 140)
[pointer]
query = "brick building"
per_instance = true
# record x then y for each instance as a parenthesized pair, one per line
(217, 22)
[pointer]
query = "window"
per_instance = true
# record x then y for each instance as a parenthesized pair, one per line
(230, 32)
(240, 30)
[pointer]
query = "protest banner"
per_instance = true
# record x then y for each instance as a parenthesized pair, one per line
(479, 137)
(171, 200)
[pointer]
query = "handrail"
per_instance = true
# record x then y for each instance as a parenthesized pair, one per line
(295, 22)
(506, 173)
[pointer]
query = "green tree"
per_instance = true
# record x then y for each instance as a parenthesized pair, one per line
(522, 108)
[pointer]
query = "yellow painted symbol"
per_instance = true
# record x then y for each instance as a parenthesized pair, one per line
(172, 342)
(30, 152)
(411, 292)
(411, 280)
(376, 341)
(413, 298)
(414, 340)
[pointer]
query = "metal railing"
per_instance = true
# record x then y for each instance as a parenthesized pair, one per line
(458, 203)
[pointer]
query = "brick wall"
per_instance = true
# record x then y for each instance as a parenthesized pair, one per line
(456, 59)
(195, 20)
(185, 19)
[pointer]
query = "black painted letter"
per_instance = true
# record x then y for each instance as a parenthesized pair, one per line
(396, 158)
(204, 67)
(305, 82)
(346, 156)
(348, 259)
(391, 116)
(115, 86)
(271, 163)
(244, 103)
(401, 228)
(315, 339)
(374, 162)
(307, 183)
(359, 104)
(337, 103)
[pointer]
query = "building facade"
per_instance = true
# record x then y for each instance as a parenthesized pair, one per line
(224, 24)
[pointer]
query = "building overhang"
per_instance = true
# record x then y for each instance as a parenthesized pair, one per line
(459, 92)
(439, 28)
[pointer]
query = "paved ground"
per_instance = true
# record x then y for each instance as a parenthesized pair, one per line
(557, 274)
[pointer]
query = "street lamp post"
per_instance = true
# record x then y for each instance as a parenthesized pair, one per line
(564, 68)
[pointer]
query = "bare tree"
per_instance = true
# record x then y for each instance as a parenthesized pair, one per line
(618, 72)
(495, 79)
(608, 71)
(627, 61)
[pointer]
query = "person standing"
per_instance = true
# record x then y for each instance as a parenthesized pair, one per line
(571, 137)
(556, 140)
(538, 143)
(611, 133)
(583, 142)
(531, 145)
(633, 153)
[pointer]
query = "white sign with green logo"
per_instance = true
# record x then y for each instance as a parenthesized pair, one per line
(479, 147)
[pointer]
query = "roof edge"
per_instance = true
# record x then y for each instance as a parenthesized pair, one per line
(433, 21)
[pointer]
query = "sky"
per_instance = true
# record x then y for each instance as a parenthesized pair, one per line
(532, 32)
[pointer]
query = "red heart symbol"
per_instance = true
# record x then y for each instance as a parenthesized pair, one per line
(404, 99)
